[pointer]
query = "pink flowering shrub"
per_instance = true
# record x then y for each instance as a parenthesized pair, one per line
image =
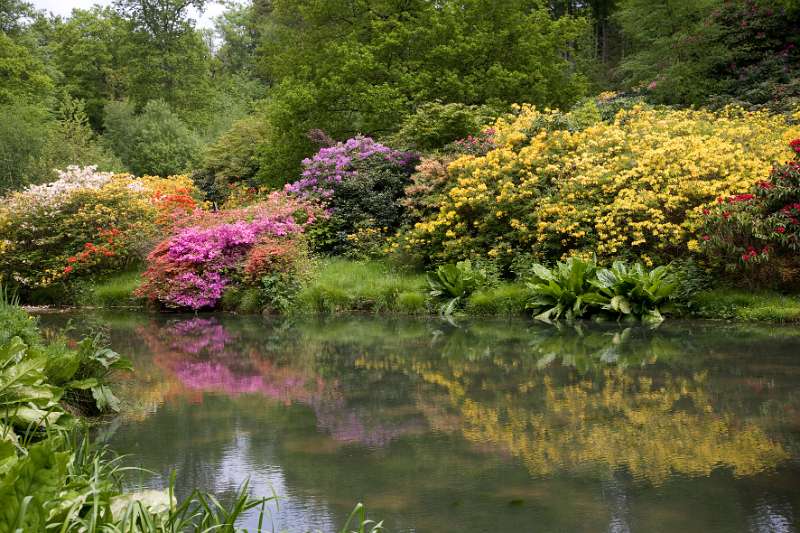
(209, 251)
(758, 233)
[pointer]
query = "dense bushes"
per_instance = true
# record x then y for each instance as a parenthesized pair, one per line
(84, 224)
(634, 186)
(577, 288)
(757, 234)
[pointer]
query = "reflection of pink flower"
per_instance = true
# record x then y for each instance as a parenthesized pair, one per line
(652, 85)
(201, 355)
(208, 376)
(199, 335)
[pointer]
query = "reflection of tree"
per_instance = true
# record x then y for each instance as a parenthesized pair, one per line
(585, 398)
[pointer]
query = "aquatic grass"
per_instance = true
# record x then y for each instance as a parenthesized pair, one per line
(505, 299)
(412, 303)
(737, 304)
(340, 286)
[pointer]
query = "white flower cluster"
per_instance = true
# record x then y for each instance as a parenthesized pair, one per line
(72, 179)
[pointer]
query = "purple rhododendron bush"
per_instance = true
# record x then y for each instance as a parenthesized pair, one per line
(209, 252)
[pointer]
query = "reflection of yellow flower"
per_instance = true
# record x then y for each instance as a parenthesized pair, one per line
(615, 420)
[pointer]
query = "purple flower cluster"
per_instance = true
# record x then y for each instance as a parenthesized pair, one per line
(331, 165)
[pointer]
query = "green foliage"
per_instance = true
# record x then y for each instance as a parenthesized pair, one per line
(691, 51)
(23, 76)
(565, 291)
(577, 288)
(88, 49)
(340, 286)
(504, 299)
(34, 142)
(411, 302)
(366, 71)
(367, 202)
(232, 158)
(738, 304)
(455, 282)
(112, 291)
(154, 142)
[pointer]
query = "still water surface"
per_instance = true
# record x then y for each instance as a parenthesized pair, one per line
(485, 426)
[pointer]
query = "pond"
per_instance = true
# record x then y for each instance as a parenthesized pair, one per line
(478, 426)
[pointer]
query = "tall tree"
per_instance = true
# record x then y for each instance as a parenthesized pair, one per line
(166, 57)
(352, 66)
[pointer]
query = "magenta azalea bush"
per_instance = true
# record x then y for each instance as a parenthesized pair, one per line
(208, 251)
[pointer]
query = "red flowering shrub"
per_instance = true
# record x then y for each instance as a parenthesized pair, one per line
(271, 256)
(758, 233)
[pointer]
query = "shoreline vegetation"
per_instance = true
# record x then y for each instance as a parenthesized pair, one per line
(555, 215)
(344, 286)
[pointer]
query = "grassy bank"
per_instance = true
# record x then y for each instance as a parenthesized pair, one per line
(111, 291)
(339, 285)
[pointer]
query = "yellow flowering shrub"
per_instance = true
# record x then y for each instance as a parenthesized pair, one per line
(85, 223)
(634, 186)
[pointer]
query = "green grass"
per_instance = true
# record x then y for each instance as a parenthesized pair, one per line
(505, 299)
(113, 291)
(737, 304)
(340, 286)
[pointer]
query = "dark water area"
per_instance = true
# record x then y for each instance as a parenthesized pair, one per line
(479, 426)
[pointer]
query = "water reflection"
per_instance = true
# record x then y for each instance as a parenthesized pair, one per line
(483, 427)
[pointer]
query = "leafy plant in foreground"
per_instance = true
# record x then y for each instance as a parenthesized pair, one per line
(565, 291)
(455, 282)
(633, 291)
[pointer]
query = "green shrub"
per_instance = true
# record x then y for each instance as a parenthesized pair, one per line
(576, 288)
(454, 282)
(633, 291)
(250, 301)
(565, 291)
(435, 125)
